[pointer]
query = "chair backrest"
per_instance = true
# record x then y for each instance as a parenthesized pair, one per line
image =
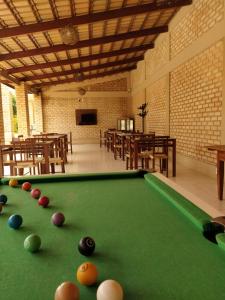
(23, 151)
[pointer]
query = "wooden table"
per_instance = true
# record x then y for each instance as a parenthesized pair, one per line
(220, 167)
(158, 142)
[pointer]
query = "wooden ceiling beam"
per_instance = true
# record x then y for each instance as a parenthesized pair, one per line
(122, 70)
(85, 43)
(80, 59)
(4, 74)
(85, 69)
(91, 18)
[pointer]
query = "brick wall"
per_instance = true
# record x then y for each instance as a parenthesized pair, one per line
(196, 103)
(157, 107)
(59, 116)
(59, 111)
(203, 16)
(186, 92)
(114, 85)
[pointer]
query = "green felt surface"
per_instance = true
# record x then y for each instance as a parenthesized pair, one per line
(143, 240)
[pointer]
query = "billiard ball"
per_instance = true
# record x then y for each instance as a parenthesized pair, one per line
(86, 246)
(26, 186)
(3, 199)
(35, 193)
(58, 219)
(13, 182)
(67, 291)
(87, 274)
(109, 290)
(32, 243)
(15, 221)
(43, 201)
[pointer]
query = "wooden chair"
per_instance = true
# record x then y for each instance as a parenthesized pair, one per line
(160, 152)
(24, 155)
(58, 157)
(117, 146)
(102, 138)
(70, 141)
(6, 155)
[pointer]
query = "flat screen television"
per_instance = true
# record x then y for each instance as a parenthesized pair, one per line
(86, 116)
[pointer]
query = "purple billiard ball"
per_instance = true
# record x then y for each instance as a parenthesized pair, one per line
(58, 219)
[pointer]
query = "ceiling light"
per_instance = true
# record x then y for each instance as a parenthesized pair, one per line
(68, 35)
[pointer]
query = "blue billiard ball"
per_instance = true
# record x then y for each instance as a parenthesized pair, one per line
(3, 199)
(15, 221)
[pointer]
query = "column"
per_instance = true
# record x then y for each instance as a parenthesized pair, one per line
(38, 113)
(2, 140)
(7, 112)
(22, 109)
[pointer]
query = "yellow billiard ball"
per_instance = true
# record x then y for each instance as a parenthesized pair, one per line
(13, 182)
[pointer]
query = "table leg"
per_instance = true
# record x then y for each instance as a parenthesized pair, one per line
(122, 143)
(174, 158)
(220, 177)
(1, 164)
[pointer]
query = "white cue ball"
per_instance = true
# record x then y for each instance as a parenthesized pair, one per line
(109, 290)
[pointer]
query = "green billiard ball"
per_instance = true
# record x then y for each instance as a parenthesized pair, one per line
(32, 243)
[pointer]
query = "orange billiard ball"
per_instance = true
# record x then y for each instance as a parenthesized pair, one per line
(67, 291)
(87, 274)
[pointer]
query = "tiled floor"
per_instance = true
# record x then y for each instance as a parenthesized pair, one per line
(200, 189)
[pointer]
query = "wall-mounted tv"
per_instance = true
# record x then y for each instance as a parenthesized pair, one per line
(86, 116)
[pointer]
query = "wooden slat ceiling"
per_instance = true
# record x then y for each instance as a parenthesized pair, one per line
(112, 37)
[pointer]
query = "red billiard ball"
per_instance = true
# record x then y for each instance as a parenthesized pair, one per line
(35, 193)
(26, 186)
(43, 201)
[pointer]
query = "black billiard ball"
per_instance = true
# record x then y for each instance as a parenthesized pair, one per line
(86, 246)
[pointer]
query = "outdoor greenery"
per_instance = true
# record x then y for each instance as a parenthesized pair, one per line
(15, 122)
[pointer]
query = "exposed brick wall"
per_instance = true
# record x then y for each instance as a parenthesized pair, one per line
(157, 105)
(204, 15)
(114, 85)
(59, 116)
(156, 58)
(2, 139)
(137, 100)
(22, 110)
(196, 103)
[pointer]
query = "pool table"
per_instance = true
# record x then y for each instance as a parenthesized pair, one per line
(148, 237)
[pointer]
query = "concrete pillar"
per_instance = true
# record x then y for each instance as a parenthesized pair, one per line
(22, 109)
(38, 113)
(2, 140)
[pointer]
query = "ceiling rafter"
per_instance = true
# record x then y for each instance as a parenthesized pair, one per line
(107, 73)
(80, 59)
(86, 69)
(90, 18)
(85, 43)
